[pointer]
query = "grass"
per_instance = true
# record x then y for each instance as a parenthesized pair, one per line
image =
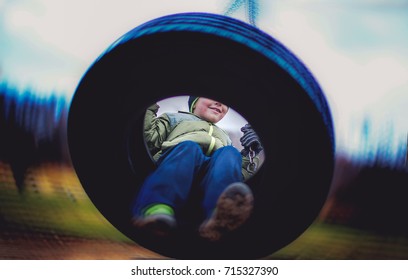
(52, 201)
(339, 242)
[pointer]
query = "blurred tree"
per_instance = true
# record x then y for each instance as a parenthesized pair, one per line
(406, 155)
(32, 130)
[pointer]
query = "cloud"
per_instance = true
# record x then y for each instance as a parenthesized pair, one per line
(65, 37)
(84, 29)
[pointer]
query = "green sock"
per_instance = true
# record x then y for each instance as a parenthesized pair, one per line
(159, 208)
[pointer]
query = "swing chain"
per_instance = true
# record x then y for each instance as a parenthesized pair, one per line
(251, 168)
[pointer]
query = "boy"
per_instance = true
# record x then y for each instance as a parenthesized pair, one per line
(190, 150)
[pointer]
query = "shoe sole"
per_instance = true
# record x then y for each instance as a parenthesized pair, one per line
(233, 209)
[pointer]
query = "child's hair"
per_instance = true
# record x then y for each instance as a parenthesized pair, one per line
(192, 100)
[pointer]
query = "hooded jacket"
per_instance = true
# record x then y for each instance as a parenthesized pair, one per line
(170, 129)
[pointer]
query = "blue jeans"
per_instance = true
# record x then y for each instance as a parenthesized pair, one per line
(185, 167)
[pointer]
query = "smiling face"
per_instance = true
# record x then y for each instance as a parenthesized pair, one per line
(210, 110)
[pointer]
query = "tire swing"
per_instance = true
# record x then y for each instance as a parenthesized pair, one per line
(226, 60)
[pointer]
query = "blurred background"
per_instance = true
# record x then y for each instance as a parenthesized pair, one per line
(357, 50)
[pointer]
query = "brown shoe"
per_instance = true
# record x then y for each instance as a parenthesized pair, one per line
(156, 225)
(233, 209)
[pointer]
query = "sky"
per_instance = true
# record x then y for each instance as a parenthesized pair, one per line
(356, 49)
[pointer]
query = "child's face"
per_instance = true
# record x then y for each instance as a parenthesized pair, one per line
(210, 110)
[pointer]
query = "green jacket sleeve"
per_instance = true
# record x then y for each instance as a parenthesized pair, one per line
(156, 129)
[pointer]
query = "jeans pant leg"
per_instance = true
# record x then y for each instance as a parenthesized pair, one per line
(223, 168)
(171, 182)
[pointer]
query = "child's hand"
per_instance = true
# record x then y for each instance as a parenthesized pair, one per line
(154, 108)
(250, 140)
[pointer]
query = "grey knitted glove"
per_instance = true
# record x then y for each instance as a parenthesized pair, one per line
(250, 140)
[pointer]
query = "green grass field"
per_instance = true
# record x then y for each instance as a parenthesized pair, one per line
(53, 218)
(336, 242)
(53, 200)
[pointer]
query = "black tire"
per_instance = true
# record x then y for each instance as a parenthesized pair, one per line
(223, 59)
